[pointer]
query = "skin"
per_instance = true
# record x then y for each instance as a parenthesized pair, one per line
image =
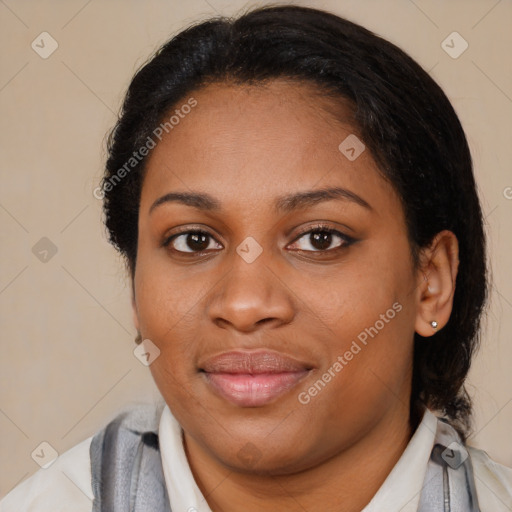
(247, 146)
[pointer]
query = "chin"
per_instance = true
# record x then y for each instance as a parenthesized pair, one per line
(264, 464)
(255, 454)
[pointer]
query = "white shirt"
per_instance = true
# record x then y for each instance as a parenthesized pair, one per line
(65, 486)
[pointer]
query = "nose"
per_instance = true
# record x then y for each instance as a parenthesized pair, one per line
(250, 297)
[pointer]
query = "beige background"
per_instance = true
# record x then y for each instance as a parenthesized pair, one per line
(67, 337)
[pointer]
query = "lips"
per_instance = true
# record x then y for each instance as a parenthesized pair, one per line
(253, 378)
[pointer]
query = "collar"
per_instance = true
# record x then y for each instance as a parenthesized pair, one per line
(184, 494)
(402, 488)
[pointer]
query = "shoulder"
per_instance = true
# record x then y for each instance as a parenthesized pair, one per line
(64, 486)
(67, 484)
(493, 482)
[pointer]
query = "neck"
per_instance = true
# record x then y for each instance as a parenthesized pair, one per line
(346, 482)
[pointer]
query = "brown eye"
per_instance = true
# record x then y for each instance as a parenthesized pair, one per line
(191, 242)
(321, 239)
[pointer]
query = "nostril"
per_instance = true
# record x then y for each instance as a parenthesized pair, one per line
(263, 320)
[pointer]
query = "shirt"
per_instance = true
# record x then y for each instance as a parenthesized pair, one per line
(66, 485)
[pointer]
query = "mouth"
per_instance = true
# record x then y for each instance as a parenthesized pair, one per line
(253, 378)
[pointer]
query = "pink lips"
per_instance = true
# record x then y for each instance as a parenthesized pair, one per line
(253, 379)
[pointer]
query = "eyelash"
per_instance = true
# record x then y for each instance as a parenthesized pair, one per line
(323, 228)
(347, 240)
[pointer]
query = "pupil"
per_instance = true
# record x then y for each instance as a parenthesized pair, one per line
(321, 239)
(198, 241)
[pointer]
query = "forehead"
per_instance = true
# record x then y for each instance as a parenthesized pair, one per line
(256, 141)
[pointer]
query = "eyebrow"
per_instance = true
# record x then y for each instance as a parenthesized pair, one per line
(285, 204)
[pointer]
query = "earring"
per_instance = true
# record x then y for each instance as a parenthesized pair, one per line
(138, 338)
(433, 324)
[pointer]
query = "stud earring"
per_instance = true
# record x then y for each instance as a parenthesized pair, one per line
(433, 324)
(138, 338)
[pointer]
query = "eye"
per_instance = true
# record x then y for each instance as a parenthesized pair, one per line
(193, 241)
(321, 238)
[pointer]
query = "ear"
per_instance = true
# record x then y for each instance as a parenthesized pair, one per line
(439, 264)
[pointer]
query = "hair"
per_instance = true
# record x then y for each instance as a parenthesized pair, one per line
(402, 115)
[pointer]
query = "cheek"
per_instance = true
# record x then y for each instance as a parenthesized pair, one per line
(166, 296)
(167, 307)
(369, 310)
(352, 296)
(362, 380)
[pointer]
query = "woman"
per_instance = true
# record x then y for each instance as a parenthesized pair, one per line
(295, 200)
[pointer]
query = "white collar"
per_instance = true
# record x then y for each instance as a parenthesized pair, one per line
(184, 494)
(402, 488)
(400, 491)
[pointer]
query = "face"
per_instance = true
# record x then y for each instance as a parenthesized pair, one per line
(284, 316)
